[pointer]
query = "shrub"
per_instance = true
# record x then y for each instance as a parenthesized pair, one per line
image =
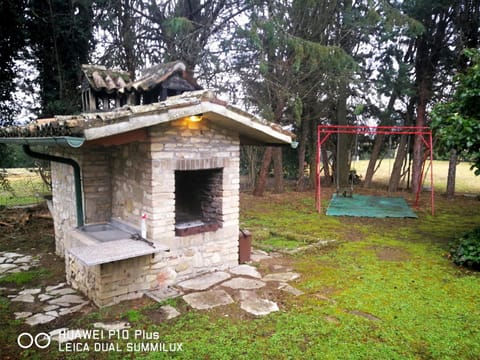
(466, 251)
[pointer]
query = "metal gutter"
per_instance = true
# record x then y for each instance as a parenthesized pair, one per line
(68, 141)
(76, 175)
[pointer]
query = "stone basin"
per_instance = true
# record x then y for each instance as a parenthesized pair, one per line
(106, 232)
(92, 234)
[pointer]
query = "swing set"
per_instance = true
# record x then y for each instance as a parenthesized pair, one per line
(424, 132)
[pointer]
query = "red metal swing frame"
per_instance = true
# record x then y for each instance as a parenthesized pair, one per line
(425, 133)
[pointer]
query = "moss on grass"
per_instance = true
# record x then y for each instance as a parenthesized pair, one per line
(25, 277)
(427, 307)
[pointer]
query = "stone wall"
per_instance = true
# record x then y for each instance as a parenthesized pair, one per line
(81, 277)
(96, 186)
(196, 254)
(111, 283)
(131, 174)
(64, 204)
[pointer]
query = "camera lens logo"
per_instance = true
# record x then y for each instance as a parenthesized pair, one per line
(41, 340)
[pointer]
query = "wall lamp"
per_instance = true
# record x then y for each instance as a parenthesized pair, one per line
(195, 118)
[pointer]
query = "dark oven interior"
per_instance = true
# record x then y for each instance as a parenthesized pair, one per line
(198, 198)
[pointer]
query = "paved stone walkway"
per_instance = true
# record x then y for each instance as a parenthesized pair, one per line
(243, 287)
(51, 301)
(12, 262)
(242, 282)
(57, 300)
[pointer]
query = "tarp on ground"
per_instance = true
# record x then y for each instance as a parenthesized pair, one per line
(369, 206)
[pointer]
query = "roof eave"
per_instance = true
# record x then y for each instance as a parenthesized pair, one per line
(246, 127)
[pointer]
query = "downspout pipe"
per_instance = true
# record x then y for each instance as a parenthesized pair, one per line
(76, 175)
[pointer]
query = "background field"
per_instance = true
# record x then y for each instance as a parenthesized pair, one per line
(28, 188)
(466, 181)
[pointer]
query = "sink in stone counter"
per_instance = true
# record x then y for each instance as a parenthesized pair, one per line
(106, 232)
(97, 233)
(101, 243)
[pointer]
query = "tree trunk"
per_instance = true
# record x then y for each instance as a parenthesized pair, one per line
(59, 65)
(278, 170)
(263, 175)
(312, 147)
(452, 172)
(418, 144)
(127, 26)
(326, 167)
(398, 164)
(373, 160)
(343, 143)
(302, 149)
(251, 157)
(300, 185)
(343, 163)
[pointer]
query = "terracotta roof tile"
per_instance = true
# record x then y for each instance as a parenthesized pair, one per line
(128, 117)
(102, 79)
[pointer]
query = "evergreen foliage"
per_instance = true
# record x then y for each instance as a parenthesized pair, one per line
(60, 35)
(11, 42)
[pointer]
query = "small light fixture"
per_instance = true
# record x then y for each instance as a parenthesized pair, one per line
(195, 118)
(294, 144)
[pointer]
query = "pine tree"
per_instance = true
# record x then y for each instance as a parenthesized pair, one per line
(60, 35)
(12, 28)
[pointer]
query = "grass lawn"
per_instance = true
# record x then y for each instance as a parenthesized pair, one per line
(394, 269)
(382, 289)
(27, 188)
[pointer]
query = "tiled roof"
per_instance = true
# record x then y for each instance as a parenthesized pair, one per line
(109, 80)
(102, 79)
(128, 118)
(157, 74)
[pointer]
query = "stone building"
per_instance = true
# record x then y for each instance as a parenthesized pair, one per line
(171, 167)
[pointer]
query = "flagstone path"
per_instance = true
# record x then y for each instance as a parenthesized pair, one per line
(239, 284)
(50, 303)
(12, 262)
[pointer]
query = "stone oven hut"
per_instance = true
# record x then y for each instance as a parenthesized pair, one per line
(161, 159)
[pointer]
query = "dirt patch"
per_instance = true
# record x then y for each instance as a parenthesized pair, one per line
(277, 263)
(156, 315)
(387, 253)
(27, 230)
(30, 232)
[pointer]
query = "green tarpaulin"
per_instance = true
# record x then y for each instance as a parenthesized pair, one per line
(369, 206)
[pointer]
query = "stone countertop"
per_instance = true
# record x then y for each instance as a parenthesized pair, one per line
(114, 251)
